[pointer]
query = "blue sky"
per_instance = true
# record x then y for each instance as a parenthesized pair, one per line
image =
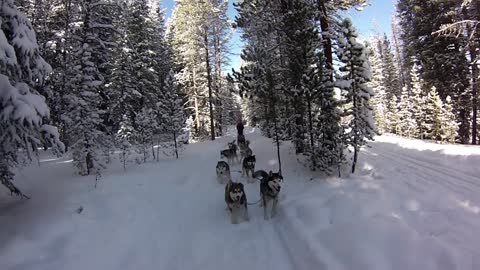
(375, 17)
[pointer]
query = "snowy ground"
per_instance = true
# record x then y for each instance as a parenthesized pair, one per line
(412, 205)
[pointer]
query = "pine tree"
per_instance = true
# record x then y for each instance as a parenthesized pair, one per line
(124, 95)
(406, 123)
(449, 122)
(443, 59)
(58, 43)
(144, 128)
(22, 108)
(354, 86)
(417, 97)
(87, 132)
(124, 139)
(435, 114)
(171, 107)
(465, 27)
(389, 69)
(392, 119)
(142, 33)
(379, 101)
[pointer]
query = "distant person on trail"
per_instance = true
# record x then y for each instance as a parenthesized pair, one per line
(240, 128)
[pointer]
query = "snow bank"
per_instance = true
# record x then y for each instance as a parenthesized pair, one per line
(447, 149)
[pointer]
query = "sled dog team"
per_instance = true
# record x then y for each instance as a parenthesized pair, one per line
(235, 197)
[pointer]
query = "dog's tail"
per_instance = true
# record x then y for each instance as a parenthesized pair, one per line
(261, 174)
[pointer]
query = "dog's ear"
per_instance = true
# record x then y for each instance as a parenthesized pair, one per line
(270, 173)
(240, 185)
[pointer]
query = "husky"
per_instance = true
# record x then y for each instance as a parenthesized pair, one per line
(229, 154)
(245, 150)
(270, 185)
(236, 201)
(248, 165)
(223, 172)
(233, 146)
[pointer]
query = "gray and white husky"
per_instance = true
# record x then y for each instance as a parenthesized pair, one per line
(245, 150)
(270, 185)
(229, 154)
(236, 201)
(223, 172)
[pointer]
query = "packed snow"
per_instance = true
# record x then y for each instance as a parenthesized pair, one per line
(411, 205)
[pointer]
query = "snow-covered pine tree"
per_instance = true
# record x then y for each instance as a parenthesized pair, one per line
(162, 66)
(417, 99)
(353, 82)
(87, 132)
(301, 39)
(145, 125)
(434, 113)
(171, 107)
(391, 79)
(449, 122)
(406, 122)
(124, 139)
(392, 116)
(379, 101)
(58, 21)
(443, 58)
(22, 109)
(123, 91)
(465, 27)
(143, 36)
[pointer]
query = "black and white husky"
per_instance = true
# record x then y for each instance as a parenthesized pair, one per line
(270, 185)
(241, 139)
(248, 166)
(236, 201)
(223, 172)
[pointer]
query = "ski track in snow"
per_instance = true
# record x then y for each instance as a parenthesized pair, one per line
(403, 209)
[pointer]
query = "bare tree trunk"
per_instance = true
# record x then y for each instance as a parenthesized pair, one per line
(195, 100)
(175, 141)
(158, 150)
(218, 81)
(473, 57)
(271, 87)
(310, 131)
(209, 85)
(153, 151)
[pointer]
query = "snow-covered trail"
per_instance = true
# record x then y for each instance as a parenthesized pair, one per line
(411, 205)
(167, 215)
